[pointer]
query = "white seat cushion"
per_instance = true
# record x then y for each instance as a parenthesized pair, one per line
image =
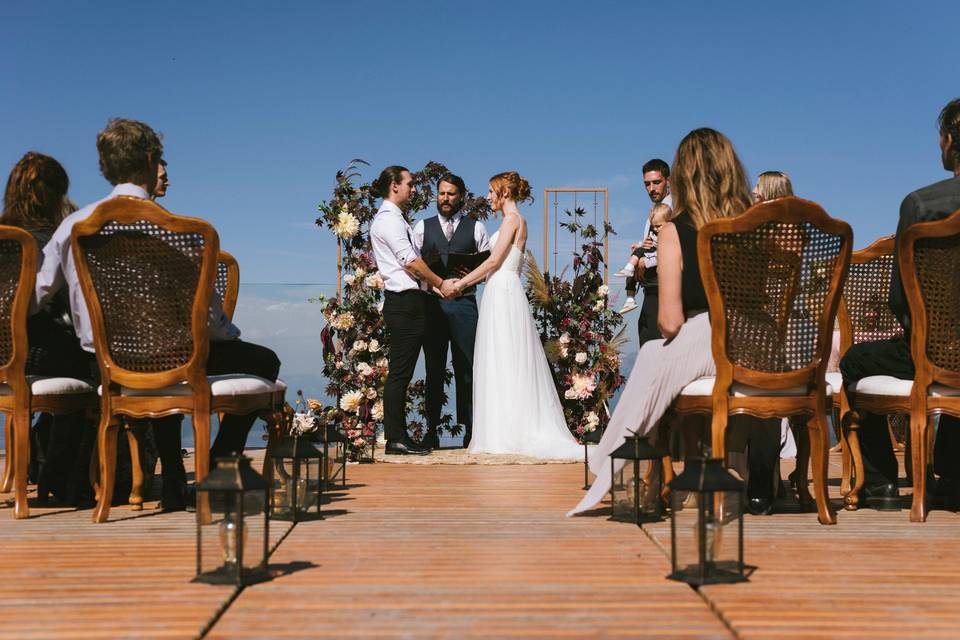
(220, 386)
(835, 380)
(895, 387)
(52, 386)
(704, 387)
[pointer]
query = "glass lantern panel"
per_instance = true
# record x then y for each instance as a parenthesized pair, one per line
(719, 531)
(231, 543)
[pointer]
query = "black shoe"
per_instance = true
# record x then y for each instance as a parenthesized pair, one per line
(467, 436)
(882, 497)
(760, 506)
(404, 448)
(179, 497)
(430, 440)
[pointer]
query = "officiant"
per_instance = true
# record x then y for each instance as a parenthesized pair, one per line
(451, 323)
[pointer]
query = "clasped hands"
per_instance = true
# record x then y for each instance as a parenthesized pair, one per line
(449, 288)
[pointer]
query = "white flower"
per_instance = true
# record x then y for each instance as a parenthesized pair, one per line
(342, 321)
(565, 338)
(303, 423)
(570, 394)
(374, 346)
(351, 401)
(349, 279)
(600, 304)
(564, 352)
(359, 345)
(375, 281)
(383, 363)
(364, 369)
(346, 226)
(377, 411)
(359, 273)
(371, 393)
(593, 420)
(581, 357)
(603, 290)
(583, 386)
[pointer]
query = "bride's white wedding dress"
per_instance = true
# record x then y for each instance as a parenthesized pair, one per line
(515, 404)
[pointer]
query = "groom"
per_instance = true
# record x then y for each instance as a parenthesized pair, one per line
(404, 305)
(451, 322)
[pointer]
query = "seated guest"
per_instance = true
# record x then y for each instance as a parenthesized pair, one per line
(130, 155)
(892, 357)
(36, 200)
(772, 185)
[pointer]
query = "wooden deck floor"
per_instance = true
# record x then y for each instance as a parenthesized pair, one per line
(477, 551)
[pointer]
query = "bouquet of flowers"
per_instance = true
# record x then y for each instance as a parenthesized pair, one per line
(579, 330)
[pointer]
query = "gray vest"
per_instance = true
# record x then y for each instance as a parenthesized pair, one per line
(461, 242)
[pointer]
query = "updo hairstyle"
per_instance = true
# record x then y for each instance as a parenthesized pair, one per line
(512, 185)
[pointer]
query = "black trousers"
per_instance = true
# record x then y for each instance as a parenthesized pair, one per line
(632, 282)
(451, 325)
(647, 326)
(892, 358)
(405, 316)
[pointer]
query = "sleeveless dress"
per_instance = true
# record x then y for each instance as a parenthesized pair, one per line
(661, 371)
(516, 409)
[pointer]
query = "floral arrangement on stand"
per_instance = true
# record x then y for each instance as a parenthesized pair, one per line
(356, 345)
(579, 330)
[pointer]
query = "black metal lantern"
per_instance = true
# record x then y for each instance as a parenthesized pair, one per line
(296, 487)
(233, 524)
(591, 437)
(625, 495)
(706, 524)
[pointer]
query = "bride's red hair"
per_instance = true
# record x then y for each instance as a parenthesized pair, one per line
(511, 184)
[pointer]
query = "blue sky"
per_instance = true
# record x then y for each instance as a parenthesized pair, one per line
(261, 103)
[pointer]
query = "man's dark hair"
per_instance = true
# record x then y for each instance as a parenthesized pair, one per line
(949, 122)
(657, 165)
(390, 175)
(127, 149)
(455, 180)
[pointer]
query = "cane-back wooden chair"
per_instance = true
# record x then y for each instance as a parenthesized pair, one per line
(147, 277)
(864, 316)
(773, 277)
(22, 395)
(929, 262)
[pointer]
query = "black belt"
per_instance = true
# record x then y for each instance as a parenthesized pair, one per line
(405, 292)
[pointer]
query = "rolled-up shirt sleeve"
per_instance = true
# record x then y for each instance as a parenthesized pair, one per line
(398, 240)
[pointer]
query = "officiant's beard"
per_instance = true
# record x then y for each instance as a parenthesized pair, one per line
(448, 210)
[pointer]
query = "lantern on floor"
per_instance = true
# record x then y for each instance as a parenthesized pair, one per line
(626, 497)
(590, 437)
(334, 453)
(297, 484)
(233, 524)
(706, 524)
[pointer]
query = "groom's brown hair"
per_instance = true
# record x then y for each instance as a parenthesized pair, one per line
(390, 175)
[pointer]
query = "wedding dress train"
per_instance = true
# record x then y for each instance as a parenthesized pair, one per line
(515, 404)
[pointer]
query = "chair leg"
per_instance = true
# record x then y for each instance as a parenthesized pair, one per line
(802, 473)
(919, 442)
(845, 461)
(6, 485)
(107, 446)
(21, 460)
(852, 499)
(136, 468)
(820, 456)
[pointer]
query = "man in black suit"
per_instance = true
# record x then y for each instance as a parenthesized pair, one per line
(892, 357)
(452, 322)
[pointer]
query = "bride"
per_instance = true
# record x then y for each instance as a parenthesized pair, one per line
(515, 404)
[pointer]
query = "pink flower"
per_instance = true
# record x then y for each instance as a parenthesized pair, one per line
(583, 386)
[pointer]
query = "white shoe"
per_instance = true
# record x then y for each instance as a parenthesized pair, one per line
(623, 273)
(629, 305)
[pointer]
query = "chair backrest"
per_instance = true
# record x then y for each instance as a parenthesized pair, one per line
(227, 285)
(773, 277)
(147, 277)
(929, 261)
(18, 273)
(864, 313)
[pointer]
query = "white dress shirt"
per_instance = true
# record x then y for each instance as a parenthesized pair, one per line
(479, 232)
(57, 269)
(392, 240)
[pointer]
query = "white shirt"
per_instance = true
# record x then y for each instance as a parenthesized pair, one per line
(57, 269)
(392, 240)
(479, 232)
